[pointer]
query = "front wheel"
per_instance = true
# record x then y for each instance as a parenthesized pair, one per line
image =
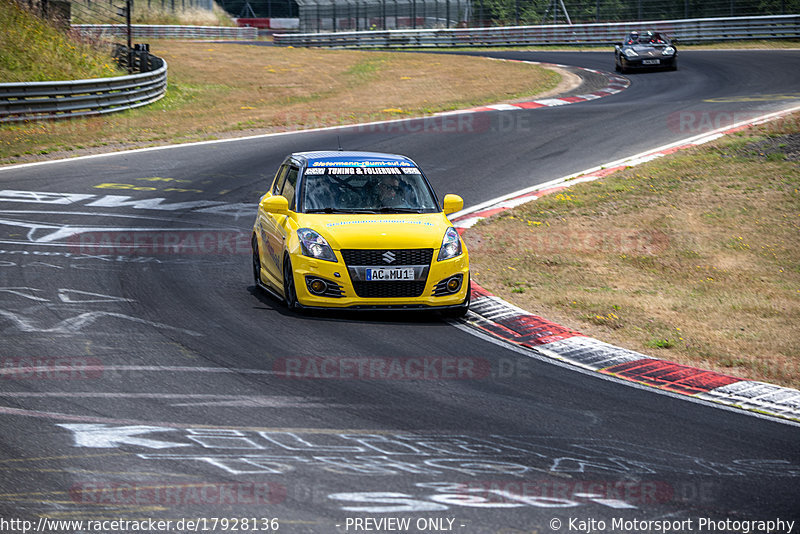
(289, 291)
(256, 262)
(463, 309)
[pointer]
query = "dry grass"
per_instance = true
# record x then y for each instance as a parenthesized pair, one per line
(693, 258)
(218, 90)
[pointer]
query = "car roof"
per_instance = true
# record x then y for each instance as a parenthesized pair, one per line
(341, 158)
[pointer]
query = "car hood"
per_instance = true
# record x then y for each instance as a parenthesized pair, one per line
(424, 230)
(648, 50)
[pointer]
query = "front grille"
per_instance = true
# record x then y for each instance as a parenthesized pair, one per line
(388, 290)
(375, 257)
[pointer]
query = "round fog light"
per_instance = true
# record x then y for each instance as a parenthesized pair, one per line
(453, 284)
(318, 286)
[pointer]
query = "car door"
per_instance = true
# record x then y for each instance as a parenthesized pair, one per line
(269, 234)
(276, 227)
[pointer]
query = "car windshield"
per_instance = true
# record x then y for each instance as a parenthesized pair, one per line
(366, 190)
(647, 38)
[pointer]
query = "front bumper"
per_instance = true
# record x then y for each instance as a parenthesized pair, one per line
(638, 62)
(345, 295)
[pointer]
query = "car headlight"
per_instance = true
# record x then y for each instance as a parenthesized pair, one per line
(314, 245)
(668, 51)
(451, 245)
(630, 52)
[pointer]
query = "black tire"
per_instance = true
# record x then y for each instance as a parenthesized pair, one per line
(289, 290)
(256, 262)
(463, 309)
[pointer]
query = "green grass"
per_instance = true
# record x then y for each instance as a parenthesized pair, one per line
(152, 12)
(366, 69)
(35, 50)
(31, 50)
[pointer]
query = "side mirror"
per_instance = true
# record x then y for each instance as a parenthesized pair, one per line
(452, 204)
(275, 204)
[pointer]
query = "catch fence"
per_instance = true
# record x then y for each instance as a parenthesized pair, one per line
(685, 31)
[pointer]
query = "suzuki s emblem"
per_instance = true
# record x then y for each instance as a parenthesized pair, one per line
(388, 256)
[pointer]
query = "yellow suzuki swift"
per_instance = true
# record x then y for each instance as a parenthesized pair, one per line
(359, 230)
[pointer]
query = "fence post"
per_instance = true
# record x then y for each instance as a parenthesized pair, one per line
(128, 6)
(447, 13)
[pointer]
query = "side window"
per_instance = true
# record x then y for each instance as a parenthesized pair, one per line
(280, 178)
(289, 185)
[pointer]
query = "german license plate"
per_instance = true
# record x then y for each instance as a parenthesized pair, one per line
(651, 62)
(389, 275)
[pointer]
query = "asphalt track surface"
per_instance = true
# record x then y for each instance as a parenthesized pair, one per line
(161, 390)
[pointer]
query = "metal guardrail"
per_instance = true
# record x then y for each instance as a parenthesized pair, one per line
(76, 98)
(155, 31)
(686, 31)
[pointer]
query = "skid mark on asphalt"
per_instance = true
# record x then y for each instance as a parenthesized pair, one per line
(7, 410)
(254, 401)
(94, 472)
(65, 457)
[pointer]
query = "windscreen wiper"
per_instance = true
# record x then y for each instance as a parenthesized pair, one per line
(388, 209)
(323, 210)
(339, 210)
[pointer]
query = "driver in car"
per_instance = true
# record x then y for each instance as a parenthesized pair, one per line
(389, 192)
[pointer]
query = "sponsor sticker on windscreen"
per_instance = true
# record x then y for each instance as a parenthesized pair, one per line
(311, 171)
(363, 163)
